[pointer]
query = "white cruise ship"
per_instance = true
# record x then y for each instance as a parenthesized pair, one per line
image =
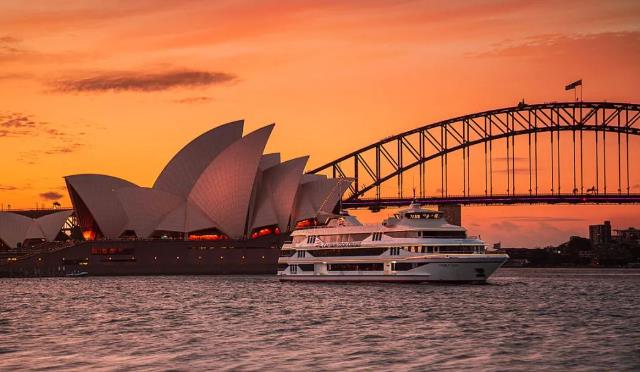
(416, 245)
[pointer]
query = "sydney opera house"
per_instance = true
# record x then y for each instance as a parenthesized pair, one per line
(219, 206)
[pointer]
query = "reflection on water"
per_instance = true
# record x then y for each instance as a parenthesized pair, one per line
(526, 319)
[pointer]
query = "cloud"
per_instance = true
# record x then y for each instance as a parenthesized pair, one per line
(135, 81)
(192, 100)
(538, 233)
(8, 188)
(64, 149)
(16, 120)
(545, 219)
(16, 124)
(517, 159)
(516, 170)
(551, 228)
(53, 132)
(15, 76)
(560, 44)
(505, 225)
(10, 48)
(70, 15)
(58, 141)
(13, 51)
(51, 195)
(8, 39)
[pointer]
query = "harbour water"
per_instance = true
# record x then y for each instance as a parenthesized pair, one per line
(526, 319)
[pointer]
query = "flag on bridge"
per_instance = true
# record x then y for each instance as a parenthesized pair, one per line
(573, 85)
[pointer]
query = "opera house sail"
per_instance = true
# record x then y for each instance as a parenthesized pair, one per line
(219, 206)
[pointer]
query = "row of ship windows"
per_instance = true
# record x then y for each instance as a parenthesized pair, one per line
(104, 251)
(81, 261)
(212, 248)
(377, 236)
(396, 266)
(446, 249)
(393, 251)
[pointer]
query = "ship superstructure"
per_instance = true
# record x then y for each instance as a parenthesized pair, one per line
(415, 245)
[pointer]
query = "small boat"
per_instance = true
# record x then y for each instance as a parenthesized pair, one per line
(76, 274)
(415, 245)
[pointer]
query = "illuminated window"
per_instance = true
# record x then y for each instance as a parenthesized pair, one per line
(89, 235)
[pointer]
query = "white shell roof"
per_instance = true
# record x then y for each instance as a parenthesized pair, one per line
(34, 231)
(224, 189)
(219, 180)
(262, 202)
(307, 177)
(329, 200)
(13, 228)
(318, 195)
(187, 217)
(145, 208)
(278, 189)
(51, 224)
(16, 228)
(174, 220)
(181, 173)
(98, 192)
(269, 160)
(197, 219)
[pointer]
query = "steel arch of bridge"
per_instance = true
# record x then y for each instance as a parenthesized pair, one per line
(438, 140)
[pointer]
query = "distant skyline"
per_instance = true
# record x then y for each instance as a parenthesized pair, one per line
(119, 87)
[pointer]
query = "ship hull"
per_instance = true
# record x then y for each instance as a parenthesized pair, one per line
(152, 257)
(475, 269)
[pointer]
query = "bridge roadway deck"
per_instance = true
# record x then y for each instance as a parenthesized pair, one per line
(497, 200)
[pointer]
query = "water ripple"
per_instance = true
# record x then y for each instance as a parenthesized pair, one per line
(524, 320)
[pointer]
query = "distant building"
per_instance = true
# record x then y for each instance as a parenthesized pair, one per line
(600, 234)
(627, 235)
(602, 249)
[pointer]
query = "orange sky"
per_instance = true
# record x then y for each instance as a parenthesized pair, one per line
(118, 87)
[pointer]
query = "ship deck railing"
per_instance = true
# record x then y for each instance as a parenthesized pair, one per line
(325, 259)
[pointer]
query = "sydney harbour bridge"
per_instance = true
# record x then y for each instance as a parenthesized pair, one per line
(569, 152)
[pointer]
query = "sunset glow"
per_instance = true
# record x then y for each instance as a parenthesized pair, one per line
(118, 87)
